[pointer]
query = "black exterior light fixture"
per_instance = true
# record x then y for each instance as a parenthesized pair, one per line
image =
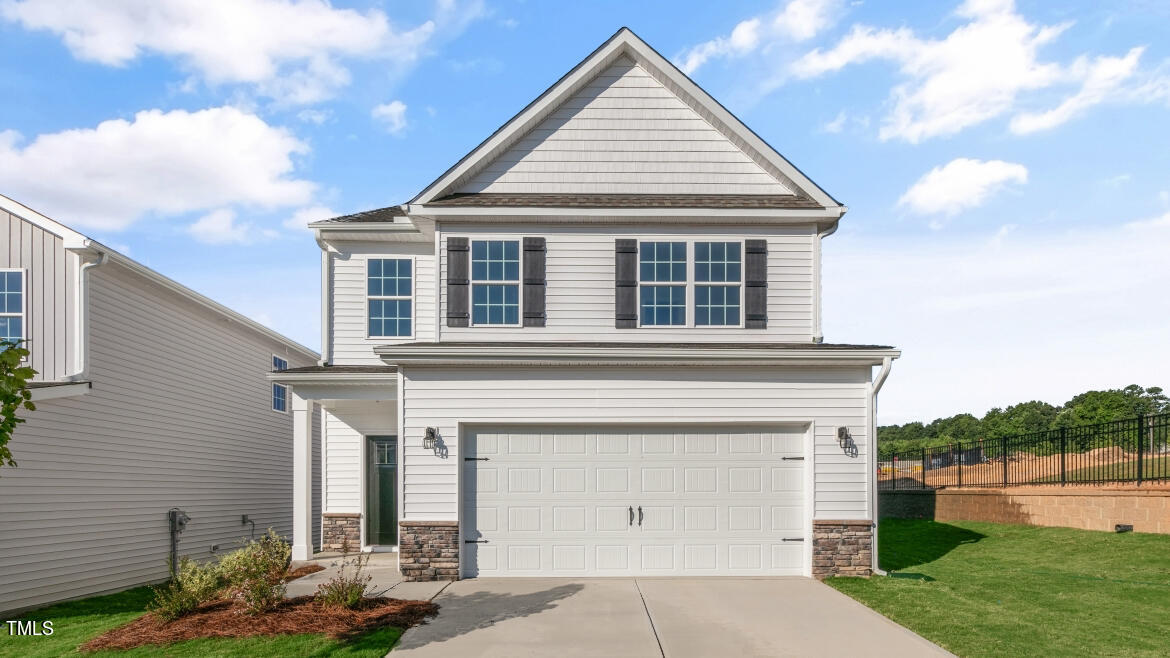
(844, 438)
(430, 439)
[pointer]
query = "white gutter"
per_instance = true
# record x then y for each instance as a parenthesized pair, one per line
(611, 215)
(874, 387)
(81, 318)
(494, 355)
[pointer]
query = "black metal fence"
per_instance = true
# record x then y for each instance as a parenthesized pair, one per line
(1130, 450)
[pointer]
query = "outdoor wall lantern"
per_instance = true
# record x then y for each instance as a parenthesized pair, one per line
(430, 438)
(843, 437)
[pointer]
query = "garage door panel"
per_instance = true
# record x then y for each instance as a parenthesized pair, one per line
(559, 502)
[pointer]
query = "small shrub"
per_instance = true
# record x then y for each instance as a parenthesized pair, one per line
(256, 572)
(193, 585)
(349, 586)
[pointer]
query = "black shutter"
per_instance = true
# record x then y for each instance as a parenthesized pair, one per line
(534, 282)
(457, 282)
(626, 284)
(755, 269)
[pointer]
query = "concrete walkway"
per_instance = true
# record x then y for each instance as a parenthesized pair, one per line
(673, 618)
(386, 581)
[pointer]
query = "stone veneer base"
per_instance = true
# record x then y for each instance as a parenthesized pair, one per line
(338, 528)
(428, 550)
(842, 548)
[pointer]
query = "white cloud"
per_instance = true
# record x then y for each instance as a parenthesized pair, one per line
(836, 125)
(290, 50)
(1102, 78)
(164, 163)
(220, 227)
(961, 184)
(316, 117)
(301, 219)
(391, 115)
(976, 73)
(986, 322)
(795, 21)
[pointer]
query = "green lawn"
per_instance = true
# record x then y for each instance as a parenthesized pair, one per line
(78, 621)
(1151, 467)
(984, 589)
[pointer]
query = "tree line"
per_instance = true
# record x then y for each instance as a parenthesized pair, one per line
(1088, 408)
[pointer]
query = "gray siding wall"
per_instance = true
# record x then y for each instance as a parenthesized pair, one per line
(50, 306)
(179, 416)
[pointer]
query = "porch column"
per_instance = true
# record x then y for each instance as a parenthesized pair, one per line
(302, 416)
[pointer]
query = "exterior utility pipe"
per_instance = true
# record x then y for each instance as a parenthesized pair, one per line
(874, 387)
(818, 334)
(81, 318)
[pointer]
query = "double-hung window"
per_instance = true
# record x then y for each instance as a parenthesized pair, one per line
(12, 287)
(662, 283)
(389, 288)
(495, 282)
(279, 391)
(718, 284)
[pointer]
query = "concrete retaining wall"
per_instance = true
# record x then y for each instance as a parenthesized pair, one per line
(1148, 510)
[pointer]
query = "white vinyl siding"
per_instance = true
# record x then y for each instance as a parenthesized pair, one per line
(178, 416)
(49, 288)
(346, 423)
(349, 338)
(624, 132)
(580, 285)
(826, 397)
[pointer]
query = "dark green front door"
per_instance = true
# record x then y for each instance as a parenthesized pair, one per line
(381, 490)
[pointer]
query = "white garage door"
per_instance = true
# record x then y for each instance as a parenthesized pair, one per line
(633, 501)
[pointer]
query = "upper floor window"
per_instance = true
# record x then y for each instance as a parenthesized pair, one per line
(390, 297)
(279, 391)
(718, 283)
(495, 282)
(697, 284)
(11, 305)
(662, 283)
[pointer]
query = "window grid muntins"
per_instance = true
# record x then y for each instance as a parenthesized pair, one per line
(389, 288)
(279, 397)
(662, 289)
(718, 283)
(495, 282)
(11, 305)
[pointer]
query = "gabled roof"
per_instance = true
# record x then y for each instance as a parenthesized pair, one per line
(491, 200)
(377, 215)
(623, 44)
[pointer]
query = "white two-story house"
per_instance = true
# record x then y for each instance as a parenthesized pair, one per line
(592, 347)
(150, 397)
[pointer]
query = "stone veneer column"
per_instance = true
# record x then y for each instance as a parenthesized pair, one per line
(842, 548)
(337, 528)
(428, 550)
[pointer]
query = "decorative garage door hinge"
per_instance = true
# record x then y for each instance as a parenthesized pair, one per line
(475, 541)
(793, 539)
(793, 459)
(475, 459)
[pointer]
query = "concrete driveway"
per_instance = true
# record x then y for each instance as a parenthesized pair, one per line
(677, 617)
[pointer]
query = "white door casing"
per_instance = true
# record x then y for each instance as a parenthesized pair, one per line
(634, 500)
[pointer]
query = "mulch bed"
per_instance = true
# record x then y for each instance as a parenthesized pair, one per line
(302, 571)
(293, 616)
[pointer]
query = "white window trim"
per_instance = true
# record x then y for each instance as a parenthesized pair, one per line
(23, 314)
(287, 393)
(519, 282)
(690, 284)
(412, 297)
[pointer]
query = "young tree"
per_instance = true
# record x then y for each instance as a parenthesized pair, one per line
(14, 394)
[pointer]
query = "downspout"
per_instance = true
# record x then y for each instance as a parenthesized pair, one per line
(874, 388)
(326, 303)
(81, 318)
(818, 333)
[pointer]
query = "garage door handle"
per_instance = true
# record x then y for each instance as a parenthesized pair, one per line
(793, 539)
(631, 515)
(792, 459)
(639, 516)
(475, 541)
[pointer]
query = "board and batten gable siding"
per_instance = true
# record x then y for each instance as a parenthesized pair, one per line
(624, 132)
(50, 287)
(351, 344)
(347, 422)
(579, 287)
(179, 415)
(827, 397)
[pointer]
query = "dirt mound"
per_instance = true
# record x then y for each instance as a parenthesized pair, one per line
(298, 615)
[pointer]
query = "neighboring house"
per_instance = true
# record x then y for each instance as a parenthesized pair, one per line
(150, 397)
(592, 347)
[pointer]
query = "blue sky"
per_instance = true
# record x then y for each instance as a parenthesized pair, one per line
(1006, 165)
